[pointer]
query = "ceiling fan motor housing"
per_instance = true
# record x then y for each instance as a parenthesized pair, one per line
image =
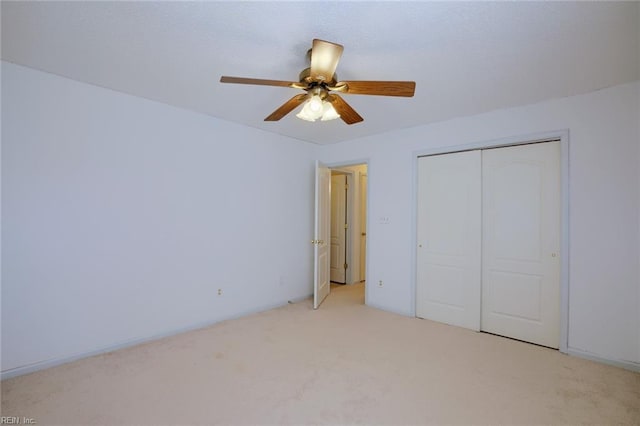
(305, 77)
(318, 90)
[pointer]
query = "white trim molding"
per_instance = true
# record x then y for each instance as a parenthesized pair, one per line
(627, 365)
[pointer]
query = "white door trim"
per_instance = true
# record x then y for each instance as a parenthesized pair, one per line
(362, 273)
(563, 137)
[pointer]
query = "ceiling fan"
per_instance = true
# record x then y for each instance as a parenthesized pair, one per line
(320, 82)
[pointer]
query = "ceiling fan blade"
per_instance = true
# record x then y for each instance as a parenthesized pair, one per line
(287, 107)
(348, 114)
(258, 81)
(324, 59)
(380, 88)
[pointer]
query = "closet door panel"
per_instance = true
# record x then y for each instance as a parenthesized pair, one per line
(449, 244)
(521, 242)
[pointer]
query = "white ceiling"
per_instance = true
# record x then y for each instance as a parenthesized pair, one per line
(466, 58)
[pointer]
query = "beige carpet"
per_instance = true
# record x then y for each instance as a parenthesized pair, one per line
(343, 364)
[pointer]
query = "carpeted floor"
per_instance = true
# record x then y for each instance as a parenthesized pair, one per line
(345, 363)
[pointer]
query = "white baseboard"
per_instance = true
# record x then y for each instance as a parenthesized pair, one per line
(391, 311)
(41, 365)
(627, 365)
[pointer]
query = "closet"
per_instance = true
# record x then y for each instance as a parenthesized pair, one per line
(488, 234)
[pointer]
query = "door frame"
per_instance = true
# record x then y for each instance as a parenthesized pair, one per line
(563, 137)
(339, 166)
(362, 273)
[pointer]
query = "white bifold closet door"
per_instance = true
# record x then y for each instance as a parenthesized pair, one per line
(489, 239)
(449, 244)
(521, 242)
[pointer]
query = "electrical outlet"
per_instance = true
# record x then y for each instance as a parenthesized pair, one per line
(380, 283)
(219, 292)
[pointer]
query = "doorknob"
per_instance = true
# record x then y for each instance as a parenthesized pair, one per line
(363, 234)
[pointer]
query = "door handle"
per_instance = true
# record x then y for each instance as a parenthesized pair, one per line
(363, 234)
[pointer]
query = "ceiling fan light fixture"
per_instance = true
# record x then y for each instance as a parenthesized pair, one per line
(316, 108)
(329, 113)
(311, 110)
(304, 115)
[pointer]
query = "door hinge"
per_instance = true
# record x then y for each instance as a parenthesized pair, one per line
(346, 226)
(346, 186)
(346, 266)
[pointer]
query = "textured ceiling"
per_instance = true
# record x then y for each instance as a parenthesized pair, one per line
(466, 58)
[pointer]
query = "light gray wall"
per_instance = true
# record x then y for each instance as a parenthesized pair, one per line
(122, 217)
(604, 140)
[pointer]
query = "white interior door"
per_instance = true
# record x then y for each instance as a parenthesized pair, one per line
(321, 285)
(449, 239)
(521, 242)
(363, 227)
(338, 229)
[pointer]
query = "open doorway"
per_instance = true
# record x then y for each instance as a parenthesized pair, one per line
(339, 227)
(348, 226)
